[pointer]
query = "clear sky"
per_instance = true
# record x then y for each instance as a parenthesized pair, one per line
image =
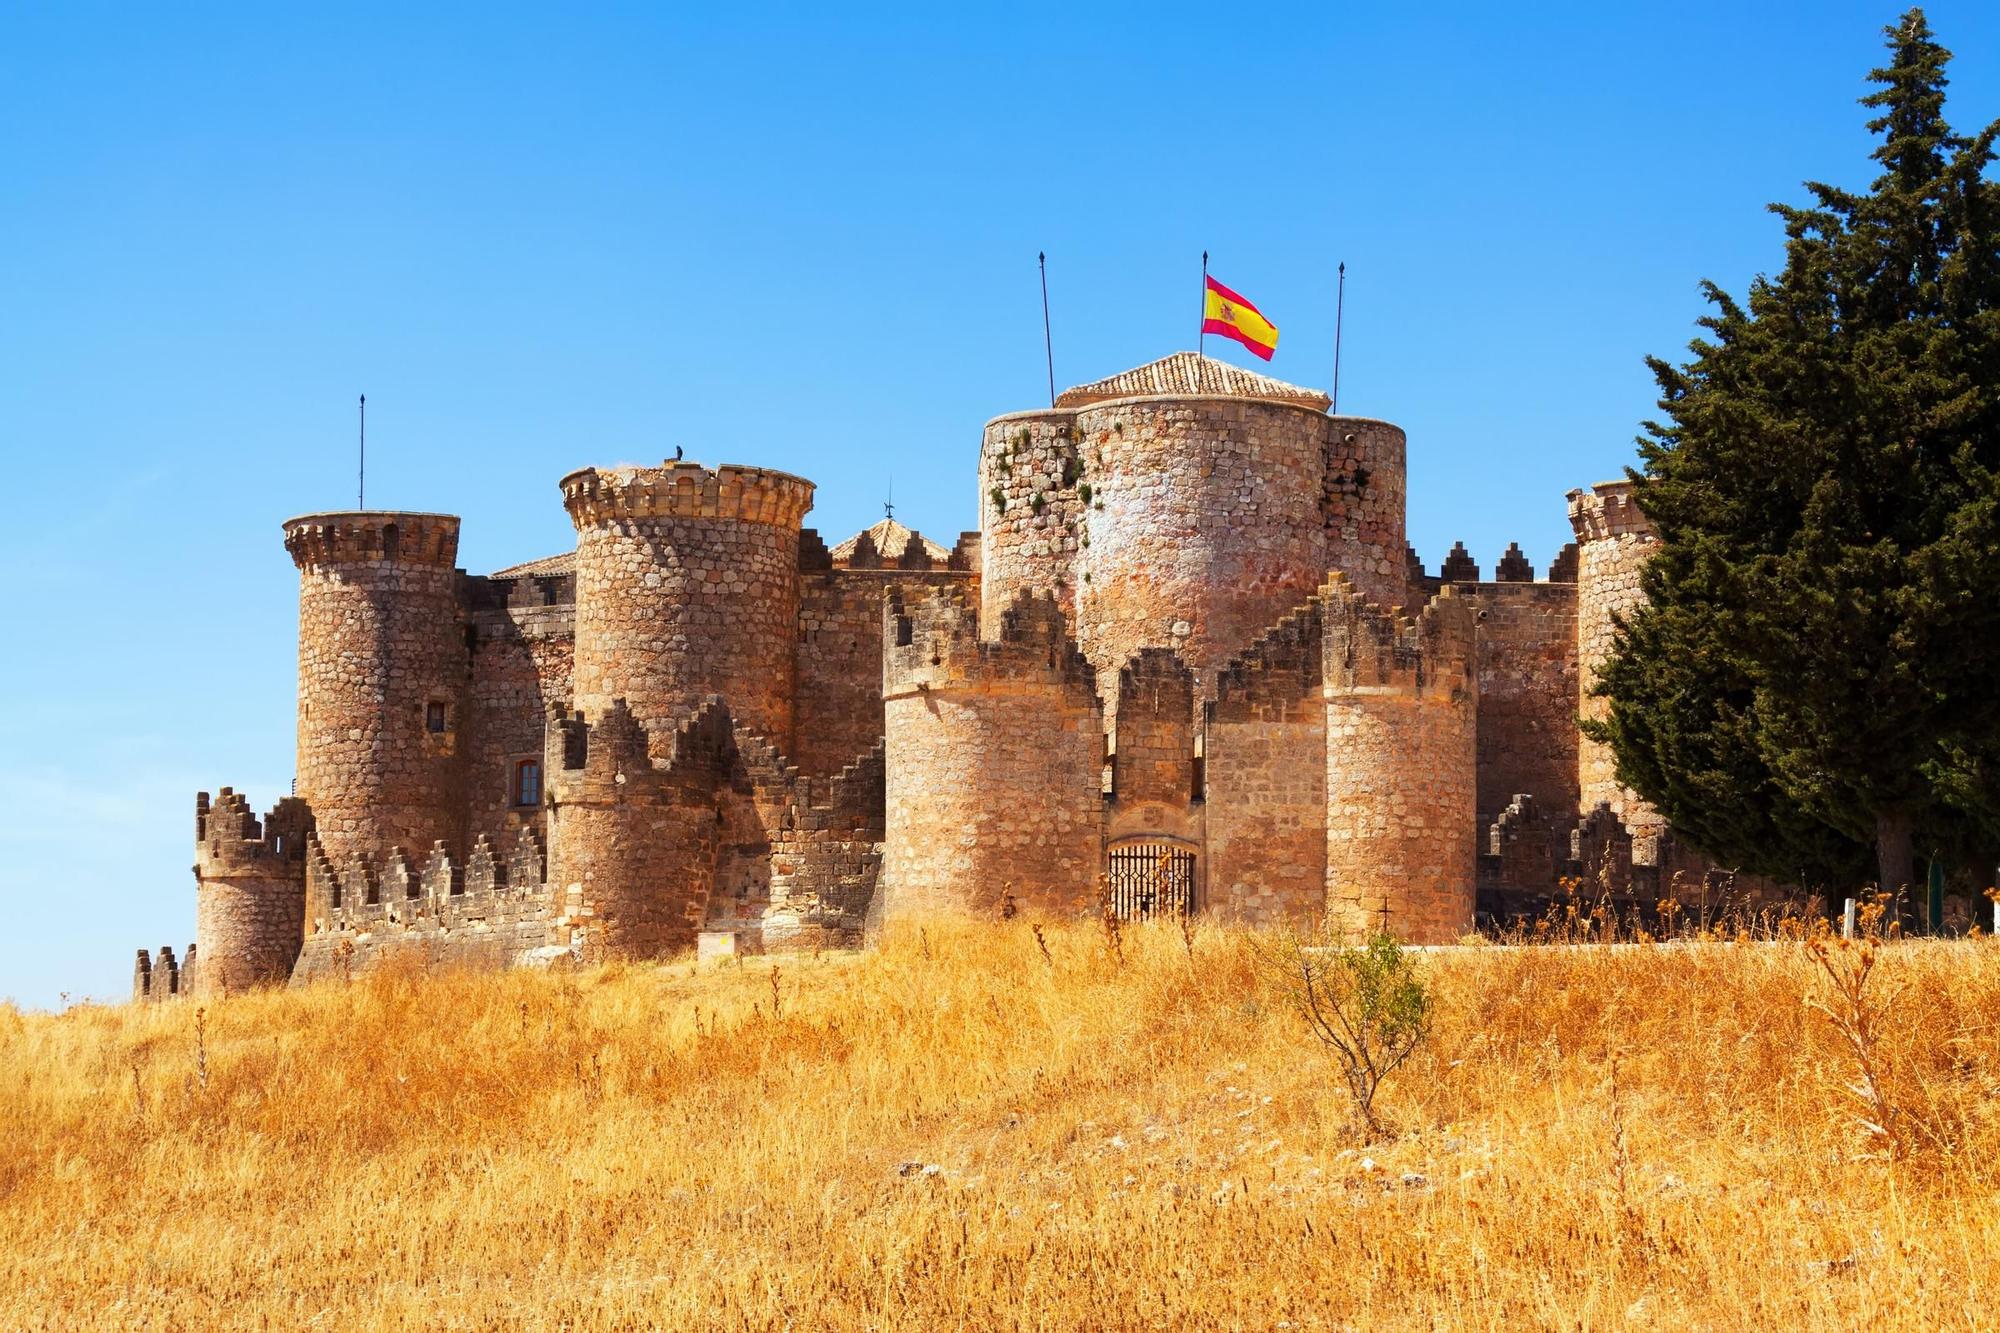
(539, 237)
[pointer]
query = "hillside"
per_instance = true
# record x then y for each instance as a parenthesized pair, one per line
(963, 1130)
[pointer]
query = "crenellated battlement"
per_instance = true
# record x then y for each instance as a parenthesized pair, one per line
(1459, 566)
(1276, 674)
(932, 642)
(1372, 649)
(1605, 511)
(814, 557)
(373, 536)
(156, 979)
(596, 496)
(230, 839)
(1159, 678)
(1514, 566)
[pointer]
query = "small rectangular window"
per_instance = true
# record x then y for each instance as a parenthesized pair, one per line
(528, 782)
(434, 717)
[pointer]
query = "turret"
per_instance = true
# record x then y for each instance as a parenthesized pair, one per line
(633, 842)
(250, 892)
(1401, 753)
(687, 585)
(382, 674)
(1614, 541)
(994, 758)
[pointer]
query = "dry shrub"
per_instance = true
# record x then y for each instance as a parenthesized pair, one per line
(1639, 1137)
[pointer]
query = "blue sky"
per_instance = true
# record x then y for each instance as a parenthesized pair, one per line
(539, 237)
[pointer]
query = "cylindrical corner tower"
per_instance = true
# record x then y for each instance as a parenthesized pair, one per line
(632, 846)
(1401, 748)
(250, 892)
(687, 585)
(1614, 541)
(994, 755)
(382, 673)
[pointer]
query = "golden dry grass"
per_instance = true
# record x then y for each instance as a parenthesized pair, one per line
(1595, 1138)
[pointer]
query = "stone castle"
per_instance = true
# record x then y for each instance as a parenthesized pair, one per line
(1188, 663)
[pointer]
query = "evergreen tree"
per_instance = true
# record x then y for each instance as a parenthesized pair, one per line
(1817, 675)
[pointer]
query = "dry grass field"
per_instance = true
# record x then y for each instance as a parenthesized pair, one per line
(968, 1129)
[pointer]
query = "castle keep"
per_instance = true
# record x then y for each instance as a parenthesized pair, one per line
(1187, 663)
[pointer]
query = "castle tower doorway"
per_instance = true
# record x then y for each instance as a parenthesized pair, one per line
(1147, 879)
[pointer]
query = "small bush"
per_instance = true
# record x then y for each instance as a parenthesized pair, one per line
(1365, 1003)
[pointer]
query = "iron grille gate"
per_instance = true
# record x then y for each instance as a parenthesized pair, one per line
(1149, 879)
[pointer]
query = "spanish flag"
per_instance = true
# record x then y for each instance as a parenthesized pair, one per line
(1233, 317)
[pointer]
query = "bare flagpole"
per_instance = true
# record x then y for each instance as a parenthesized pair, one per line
(1339, 317)
(361, 476)
(1048, 347)
(1201, 335)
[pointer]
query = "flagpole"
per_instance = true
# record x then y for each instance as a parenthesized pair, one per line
(1201, 329)
(1048, 347)
(361, 475)
(1339, 317)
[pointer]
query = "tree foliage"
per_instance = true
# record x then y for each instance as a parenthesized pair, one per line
(1817, 674)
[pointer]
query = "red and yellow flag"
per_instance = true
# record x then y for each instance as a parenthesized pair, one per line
(1233, 317)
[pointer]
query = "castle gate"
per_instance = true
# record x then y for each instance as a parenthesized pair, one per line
(1149, 879)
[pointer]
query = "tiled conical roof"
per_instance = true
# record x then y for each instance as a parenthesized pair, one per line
(1196, 376)
(890, 537)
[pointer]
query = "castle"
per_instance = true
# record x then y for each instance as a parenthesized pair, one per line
(1188, 663)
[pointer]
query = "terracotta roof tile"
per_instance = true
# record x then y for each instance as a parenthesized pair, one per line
(1195, 376)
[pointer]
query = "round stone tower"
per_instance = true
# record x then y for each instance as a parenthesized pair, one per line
(382, 673)
(1614, 541)
(1188, 505)
(250, 893)
(687, 585)
(994, 758)
(1401, 704)
(1210, 529)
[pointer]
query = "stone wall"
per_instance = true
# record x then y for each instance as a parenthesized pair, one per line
(825, 858)
(1401, 743)
(1266, 778)
(523, 643)
(687, 585)
(1527, 696)
(380, 643)
(840, 659)
(994, 754)
(1614, 542)
(494, 909)
(1153, 747)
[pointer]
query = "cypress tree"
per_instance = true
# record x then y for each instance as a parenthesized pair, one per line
(1815, 682)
